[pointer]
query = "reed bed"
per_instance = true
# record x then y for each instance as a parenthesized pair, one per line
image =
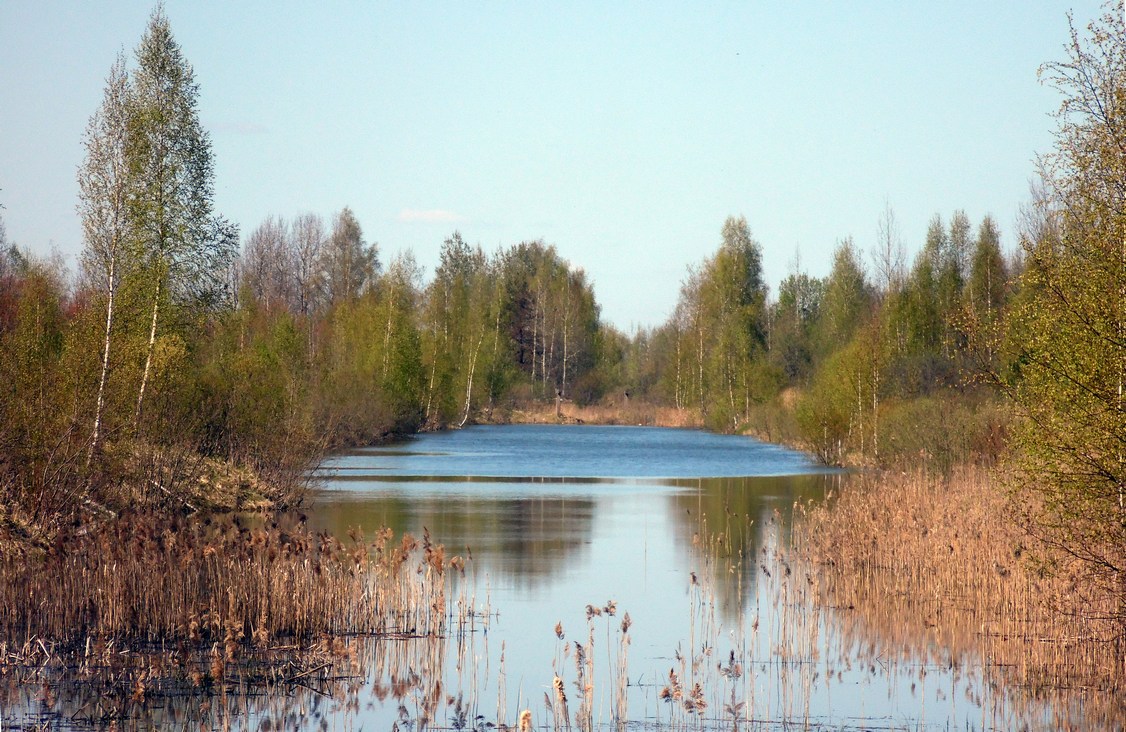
(146, 608)
(936, 567)
(141, 579)
(330, 681)
(814, 633)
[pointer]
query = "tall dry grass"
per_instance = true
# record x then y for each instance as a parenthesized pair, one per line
(146, 579)
(217, 614)
(924, 562)
(270, 689)
(633, 413)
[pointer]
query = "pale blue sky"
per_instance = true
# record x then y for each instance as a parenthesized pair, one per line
(623, 133)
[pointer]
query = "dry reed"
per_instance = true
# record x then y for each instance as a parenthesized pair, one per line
(633, 413)
(926, 563)
(143, 579)
(167, 607)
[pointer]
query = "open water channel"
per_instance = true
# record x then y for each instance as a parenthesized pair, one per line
(559, 518)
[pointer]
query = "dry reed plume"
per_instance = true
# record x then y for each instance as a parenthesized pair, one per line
(146, 579)
(556, 702)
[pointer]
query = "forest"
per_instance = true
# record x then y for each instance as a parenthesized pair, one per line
(192, 361)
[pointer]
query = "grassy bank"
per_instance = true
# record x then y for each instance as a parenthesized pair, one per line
(163, 481)
(924, 562)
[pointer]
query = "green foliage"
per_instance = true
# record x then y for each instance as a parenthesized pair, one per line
(942, 431)
(838, 414)
(1072, 318)
(38, 404)
(792, 322)
(985, 287)
(550, 318)
(846, 302)
(715, 346)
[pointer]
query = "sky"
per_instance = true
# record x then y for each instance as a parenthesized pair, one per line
(622, 133)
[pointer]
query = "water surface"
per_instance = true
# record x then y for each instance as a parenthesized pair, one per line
(561, 517)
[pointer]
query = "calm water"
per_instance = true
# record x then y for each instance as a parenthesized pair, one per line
(561, 517)
(557, 518)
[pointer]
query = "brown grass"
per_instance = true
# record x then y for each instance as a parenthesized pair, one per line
(146, 607)
(143, 578)
(924, 562)
(633, 413)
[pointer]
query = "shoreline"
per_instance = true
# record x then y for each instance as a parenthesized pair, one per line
(635, 414)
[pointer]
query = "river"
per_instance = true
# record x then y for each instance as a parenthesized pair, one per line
(561, 517)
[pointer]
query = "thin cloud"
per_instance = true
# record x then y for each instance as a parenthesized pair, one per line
(430, 215)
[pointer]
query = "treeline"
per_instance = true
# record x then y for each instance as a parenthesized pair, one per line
(368, 350)
(127, 382)
(176, 369)
(310, 341)
(877, 368)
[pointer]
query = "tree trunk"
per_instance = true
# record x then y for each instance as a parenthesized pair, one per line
(105, 364)
(676, 388)
(469, 380)
(430, 389)
(700, 366)
(387, 333)
(566, 355)
(535, 331)
(148, 357)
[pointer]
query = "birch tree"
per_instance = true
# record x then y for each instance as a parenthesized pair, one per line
(103, 183)
(348, 264)
(268, 266)
(307, 240)
(184, 249)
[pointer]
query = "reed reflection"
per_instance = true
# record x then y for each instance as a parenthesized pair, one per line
(736, 515)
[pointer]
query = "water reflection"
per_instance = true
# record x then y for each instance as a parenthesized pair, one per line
(612, 521)
(523, 540)
(528, 530)
(740, 514)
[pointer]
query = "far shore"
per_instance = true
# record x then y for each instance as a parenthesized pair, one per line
(640, 414)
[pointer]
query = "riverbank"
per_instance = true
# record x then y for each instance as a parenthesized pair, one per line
(160, 481)
(631, 413)
(929, 562)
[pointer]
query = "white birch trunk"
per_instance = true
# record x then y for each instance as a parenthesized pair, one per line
(148, 357)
